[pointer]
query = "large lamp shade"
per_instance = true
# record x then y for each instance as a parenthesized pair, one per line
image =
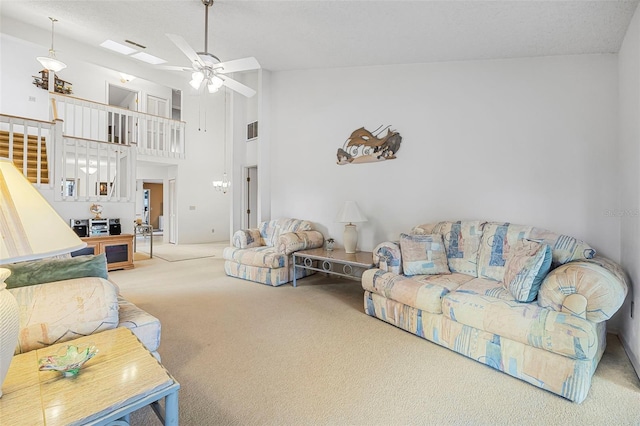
(30, 227)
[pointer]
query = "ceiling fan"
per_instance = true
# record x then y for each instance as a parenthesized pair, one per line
(206, 68)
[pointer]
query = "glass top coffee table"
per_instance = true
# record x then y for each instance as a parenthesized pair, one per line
(121, 378)
(334, 262)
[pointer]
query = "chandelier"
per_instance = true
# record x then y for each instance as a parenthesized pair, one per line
(50, 62)
(222, 185)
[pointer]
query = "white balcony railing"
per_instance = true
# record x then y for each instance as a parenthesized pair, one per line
(89, 151)
(153, 135)
(90, 170)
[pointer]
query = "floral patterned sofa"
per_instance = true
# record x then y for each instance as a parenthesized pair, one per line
(264, 254)
(523, 300)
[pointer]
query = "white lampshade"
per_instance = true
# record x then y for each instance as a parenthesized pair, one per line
(350, 213)
(196, 79)
(51, 63)
(29, 226)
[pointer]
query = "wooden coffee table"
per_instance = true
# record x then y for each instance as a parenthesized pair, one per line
(121, 378)
(334, 262)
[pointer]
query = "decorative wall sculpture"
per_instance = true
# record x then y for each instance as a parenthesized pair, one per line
(59, 86)
(364, 146)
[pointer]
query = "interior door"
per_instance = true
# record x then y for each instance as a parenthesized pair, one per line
(172, 211)
(251, 197)
(156, 131)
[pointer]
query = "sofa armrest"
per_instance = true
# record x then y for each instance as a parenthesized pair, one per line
(592, 288)
(387, 256)
(63, 310)
(301, 240)
(247, 238)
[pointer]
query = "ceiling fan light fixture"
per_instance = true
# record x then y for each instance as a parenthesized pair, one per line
(215, 82)
(212, 88)
(197, 76)
(195, 80)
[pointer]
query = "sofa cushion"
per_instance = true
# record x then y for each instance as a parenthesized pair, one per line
(56, 269)
(602, 282)
(247, 238)
(289, 242)
(527, 265)
(146, 327)
(527, 323)
(485, 287)
(563, 247)
(271, 230)
(63, 310)
(266, 257)
(461, 242)
(423, 292)
(387, 256)
(498, 238)
(423, 255)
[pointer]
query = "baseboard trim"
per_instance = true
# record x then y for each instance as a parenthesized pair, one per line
(630, 354)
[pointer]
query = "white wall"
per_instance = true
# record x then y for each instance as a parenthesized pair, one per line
(201, 208)
(629, 77)
(529, 141)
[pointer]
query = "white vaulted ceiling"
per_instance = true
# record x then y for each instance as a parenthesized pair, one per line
(286, 35)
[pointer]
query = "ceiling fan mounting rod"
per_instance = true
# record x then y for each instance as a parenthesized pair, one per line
(207, 4)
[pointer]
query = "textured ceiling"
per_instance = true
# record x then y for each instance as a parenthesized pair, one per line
(285, 35)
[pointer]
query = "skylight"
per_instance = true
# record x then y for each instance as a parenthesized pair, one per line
(126, 50)
(117, 47)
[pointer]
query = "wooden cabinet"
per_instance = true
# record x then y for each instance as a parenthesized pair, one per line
(117, 248)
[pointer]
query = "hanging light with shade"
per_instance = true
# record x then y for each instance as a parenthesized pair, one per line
(51, 62)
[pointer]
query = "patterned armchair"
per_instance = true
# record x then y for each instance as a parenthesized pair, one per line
(264, 254)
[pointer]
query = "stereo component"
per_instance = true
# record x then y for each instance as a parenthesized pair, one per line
(80, 227)
(115, 227)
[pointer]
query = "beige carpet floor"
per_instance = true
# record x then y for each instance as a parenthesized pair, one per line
(177, 252)
(250, 354)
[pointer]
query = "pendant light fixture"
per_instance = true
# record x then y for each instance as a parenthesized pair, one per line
(225, 184)
(50, 62)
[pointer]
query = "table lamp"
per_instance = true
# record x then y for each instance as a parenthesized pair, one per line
(29, 229)
(348, 214)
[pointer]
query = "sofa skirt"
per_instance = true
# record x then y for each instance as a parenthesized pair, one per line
(567, 377)
(269, 276)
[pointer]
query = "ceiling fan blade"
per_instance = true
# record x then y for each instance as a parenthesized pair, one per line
(238, 87)
(237, 65)
(175, 68)
(186, 49)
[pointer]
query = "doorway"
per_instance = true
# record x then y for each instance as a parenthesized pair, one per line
(122, 129)
(153, 204)
(251, 197)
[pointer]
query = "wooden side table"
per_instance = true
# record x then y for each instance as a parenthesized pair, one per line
(349, 265)
(121, 378)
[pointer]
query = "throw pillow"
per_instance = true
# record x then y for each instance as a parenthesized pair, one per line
(527, 264)
(49, 270)
(423, 255)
